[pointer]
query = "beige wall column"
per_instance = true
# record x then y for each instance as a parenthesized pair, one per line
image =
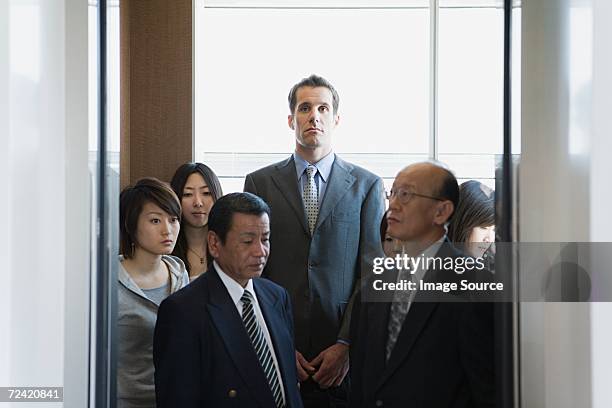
(156, 87)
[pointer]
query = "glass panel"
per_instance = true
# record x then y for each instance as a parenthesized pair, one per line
(471, 81)
(472, 166)
(377, 59)
(104, 176)
(471, 89)
(317, 3)
(472, 3)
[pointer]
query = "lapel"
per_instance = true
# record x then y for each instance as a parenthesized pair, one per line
(281, 338)
(415, 321)
(378, 319)
(229, 324)
(285, 179)
(340, 180)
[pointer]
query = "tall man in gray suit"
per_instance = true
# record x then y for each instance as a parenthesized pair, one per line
(324, 232)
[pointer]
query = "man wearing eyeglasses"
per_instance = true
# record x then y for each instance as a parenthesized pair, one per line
(419, 351)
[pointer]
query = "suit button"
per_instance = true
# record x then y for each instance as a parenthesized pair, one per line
(379, 403)
(232, 393)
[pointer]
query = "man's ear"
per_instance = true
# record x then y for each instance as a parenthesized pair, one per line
(290, 122)
(213, 244)
(444, 210)
(336, 120)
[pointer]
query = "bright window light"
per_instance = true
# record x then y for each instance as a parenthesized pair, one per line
(378, 56)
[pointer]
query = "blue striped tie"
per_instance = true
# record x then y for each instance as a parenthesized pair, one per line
(261, 347)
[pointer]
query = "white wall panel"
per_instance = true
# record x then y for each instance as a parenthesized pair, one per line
(43, 153)
(565, 194)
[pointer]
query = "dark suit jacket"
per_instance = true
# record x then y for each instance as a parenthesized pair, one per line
(443, 356)
(203, 355)
(320, 271)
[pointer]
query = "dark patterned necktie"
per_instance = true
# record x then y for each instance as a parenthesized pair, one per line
(399, 310)
(261, 347)
(311, 198)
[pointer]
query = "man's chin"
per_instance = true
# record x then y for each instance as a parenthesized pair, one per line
(394, 232)
(309, 145)
(256, 272)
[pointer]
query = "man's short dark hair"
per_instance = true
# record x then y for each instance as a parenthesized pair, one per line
(449, 189)
(222, 212)
(313, 81)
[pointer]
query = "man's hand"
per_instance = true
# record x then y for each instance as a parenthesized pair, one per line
(304, 369)
(333, 364)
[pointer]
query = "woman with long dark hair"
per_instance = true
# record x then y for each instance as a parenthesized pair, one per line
(472, 227)
(391, 246)
(198, 188)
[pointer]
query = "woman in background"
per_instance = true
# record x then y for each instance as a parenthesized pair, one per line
(391, 246)
(472, 227)
(150, 216)
(198, 188)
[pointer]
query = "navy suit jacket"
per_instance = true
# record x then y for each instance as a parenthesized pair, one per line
(321, 271)
(204, 357)
(443, 357)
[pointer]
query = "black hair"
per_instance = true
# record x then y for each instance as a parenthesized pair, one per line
(178, 185)
(476, 209)
(383, 227)
(222, 213)
(131, 201)
(449, 190)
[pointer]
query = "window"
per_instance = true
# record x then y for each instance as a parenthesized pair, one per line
(394, 110)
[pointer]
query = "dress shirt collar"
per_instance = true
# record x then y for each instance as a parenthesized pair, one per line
(430, 252)
(235, 290)
(324, 166)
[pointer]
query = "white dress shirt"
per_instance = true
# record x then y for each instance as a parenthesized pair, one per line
(236, 291)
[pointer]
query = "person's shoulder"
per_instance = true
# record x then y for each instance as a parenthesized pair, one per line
(358, 171)
(194, 292)
(269, 286)
(449, 249)
(175, 264)
(264, 171)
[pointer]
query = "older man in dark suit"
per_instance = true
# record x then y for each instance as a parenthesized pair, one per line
(324, 233)
(226, 340)
(423, 349)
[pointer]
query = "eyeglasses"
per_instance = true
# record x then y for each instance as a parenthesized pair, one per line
(404, 196)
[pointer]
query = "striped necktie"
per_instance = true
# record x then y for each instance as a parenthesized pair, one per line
(261, 347)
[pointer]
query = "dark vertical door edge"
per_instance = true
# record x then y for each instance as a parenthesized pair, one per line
(504, 312)
(105, 283)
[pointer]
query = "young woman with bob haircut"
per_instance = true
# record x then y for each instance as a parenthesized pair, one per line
(198, 188)
(150, 216)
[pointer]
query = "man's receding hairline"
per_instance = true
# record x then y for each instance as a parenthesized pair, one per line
(440, 173)
(331, 94)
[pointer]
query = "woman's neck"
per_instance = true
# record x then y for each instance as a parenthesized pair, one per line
(196, 238)
(143, 263)
(146, 269)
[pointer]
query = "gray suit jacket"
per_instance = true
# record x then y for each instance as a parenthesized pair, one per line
(321, 272)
